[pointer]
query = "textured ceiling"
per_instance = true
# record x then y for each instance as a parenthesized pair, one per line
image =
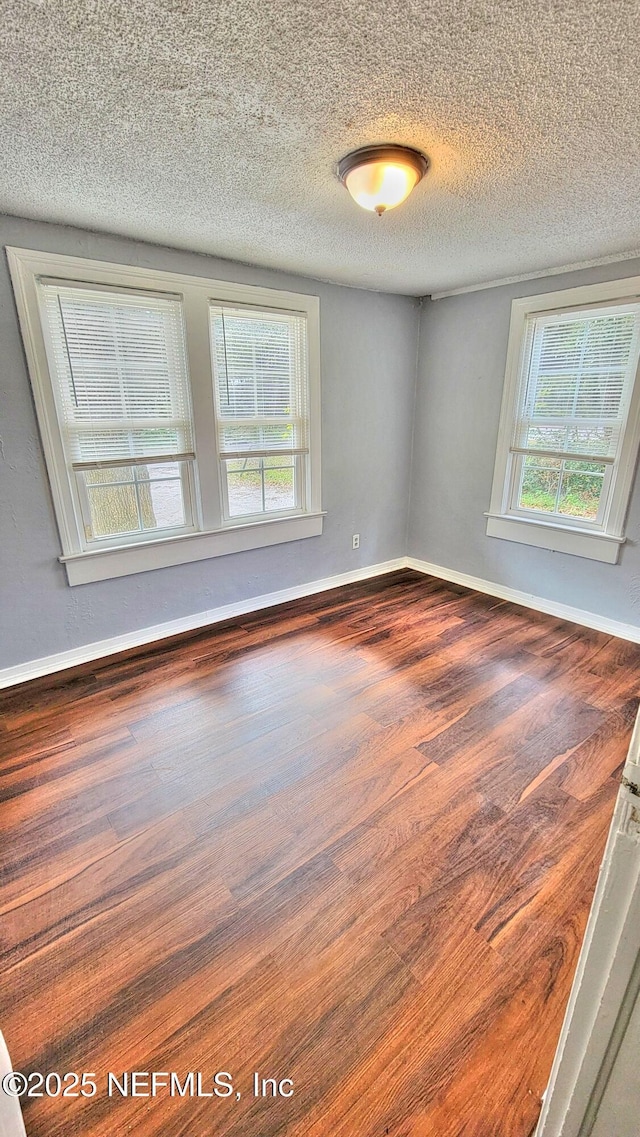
(216, 126)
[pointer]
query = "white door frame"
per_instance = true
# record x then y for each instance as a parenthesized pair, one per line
(607, 978)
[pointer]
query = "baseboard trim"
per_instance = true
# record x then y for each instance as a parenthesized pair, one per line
(528, 600)
(88, 653)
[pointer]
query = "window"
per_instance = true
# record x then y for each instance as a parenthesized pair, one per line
(569, 429)
(179, 416)
(260, 364)
(119, 371)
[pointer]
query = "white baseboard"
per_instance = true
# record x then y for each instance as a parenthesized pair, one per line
(88, 653)
(528, 600)
(48, 664)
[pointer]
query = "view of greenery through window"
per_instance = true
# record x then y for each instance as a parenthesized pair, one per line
(572, 406)
(556, 485)
(260, 485)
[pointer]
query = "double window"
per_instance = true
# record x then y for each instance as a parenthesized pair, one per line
(170, 407)
(570, 421)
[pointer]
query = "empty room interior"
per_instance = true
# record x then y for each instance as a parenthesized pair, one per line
(320, 547)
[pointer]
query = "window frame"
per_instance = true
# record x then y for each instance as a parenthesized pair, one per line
(599, 541)
(213, 535)
(300, 460)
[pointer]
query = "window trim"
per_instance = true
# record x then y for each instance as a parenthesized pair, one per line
(601, 544)
(102, 564)
(215, 537)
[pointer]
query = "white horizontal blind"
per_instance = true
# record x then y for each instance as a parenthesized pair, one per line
(119, 371)
(261, 382)
(576, 380)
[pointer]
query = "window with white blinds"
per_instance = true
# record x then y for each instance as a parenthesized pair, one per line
(120, 373)
(260, 365)
(576, 382)
(565, 458)
(575, 387)
(121, 385)
(179, 416)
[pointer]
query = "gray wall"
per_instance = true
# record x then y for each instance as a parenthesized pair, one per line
(463, 344)
(368, 355)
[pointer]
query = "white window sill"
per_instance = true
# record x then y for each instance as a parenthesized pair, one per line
(102, 564)
(560, 538)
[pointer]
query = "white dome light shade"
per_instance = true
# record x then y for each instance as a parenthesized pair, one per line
(380, 177)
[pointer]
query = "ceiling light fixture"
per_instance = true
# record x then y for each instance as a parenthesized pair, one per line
(380, 177)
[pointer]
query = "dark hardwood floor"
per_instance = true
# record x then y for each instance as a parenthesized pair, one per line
(351, 842)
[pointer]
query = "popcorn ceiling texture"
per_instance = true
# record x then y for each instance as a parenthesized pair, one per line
(217, 126)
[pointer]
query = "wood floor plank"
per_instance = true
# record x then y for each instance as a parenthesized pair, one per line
(593, 762)
(97, 886)
(510, 1092)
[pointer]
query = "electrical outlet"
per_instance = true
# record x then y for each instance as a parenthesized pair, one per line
(356, 540)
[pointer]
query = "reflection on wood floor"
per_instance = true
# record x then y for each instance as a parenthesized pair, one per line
(351, 841)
